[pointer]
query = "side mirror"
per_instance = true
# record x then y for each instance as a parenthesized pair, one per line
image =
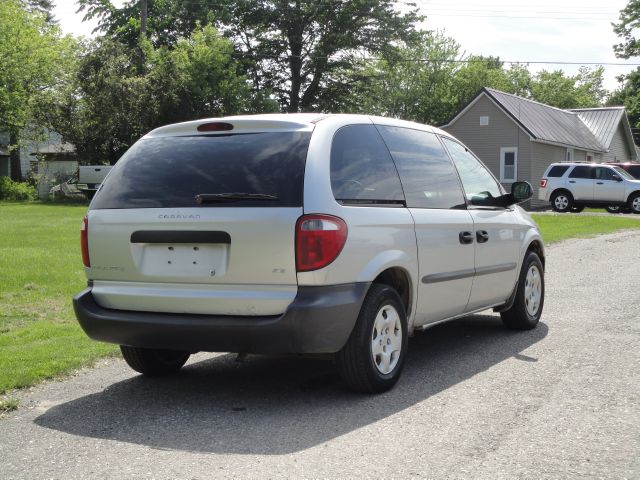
(521, 191)
(616, 177)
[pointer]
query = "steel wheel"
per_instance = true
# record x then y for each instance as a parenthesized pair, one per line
(532, 290)
(528, 303)
(386, 339)
(372, 359)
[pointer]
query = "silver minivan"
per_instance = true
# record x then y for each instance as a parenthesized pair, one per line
(306, 234)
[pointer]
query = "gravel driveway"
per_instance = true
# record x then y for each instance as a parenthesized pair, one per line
(475, 401)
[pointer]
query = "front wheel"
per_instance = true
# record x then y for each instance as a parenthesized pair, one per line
(154, 361)
(373, 357)
(526, 310)
(634, 204)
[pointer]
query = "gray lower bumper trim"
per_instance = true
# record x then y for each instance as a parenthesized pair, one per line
(319, 320)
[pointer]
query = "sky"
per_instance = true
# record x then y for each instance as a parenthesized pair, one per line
(515, 30)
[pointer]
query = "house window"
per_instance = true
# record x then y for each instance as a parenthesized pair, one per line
(484, 121)
(508, 164)
(569, 157)
(589, 157)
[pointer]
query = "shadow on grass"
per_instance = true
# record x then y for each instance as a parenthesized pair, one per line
(268, 405)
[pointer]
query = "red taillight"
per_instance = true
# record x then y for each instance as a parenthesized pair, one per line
(84, 241)
(543, 183)
(319, 240)
(215, 127)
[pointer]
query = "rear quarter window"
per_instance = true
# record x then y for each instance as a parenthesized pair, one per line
(362, 171)
(171, 171)
(558, 171)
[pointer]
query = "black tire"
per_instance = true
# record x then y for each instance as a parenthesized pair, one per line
(519, 316)
(614, 209)
(560, 205)
(577, 209)
(634, 203)
(152, 361)
(355, 362)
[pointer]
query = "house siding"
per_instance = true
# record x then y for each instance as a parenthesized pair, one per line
(619, 149)
(543, 155)
(486, 141)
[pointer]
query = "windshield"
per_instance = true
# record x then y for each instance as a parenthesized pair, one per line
(623, 173)
(260, 169)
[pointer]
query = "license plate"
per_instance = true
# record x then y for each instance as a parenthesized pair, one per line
(184, 260)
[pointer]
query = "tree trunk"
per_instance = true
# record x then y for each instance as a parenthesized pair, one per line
(16, 168)
(295, 38)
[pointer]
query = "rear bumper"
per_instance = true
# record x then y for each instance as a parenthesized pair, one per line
(319, 320)
(543, 194)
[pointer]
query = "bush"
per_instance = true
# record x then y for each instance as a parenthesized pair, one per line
(10, 190)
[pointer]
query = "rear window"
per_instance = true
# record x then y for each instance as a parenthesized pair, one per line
(557, 171)
(171, 171)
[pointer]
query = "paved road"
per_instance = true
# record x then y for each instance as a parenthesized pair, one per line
(475, 401)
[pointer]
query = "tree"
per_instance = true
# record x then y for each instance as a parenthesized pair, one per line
(625, 28)
(114, 101)
(414, 84)
(292, 48)
(629, 93)
(167, 20)
(629, 96)
(44, 7)
(301, 45)
(34, 58)
(583, 90)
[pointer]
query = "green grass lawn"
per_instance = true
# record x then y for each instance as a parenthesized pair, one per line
(41, 270)
(560, 227)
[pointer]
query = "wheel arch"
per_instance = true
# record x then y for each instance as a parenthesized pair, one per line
(399, 279)
(537, 247)
(632, 194)
(561, 189)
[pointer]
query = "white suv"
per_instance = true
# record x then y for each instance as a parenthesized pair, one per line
(573, 186)
(334, 234)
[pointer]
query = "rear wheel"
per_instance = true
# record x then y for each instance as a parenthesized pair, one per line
(525, 312)
(634, 203)
(373, 357)
(153, 361)
(561, 201)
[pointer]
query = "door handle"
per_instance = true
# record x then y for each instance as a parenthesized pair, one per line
(572, 181)
(599, 183)
(465, 238)
(482, 236)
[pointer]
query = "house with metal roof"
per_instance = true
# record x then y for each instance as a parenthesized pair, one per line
(518, 138)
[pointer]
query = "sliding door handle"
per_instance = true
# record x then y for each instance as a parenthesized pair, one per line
(482, 236)
(465, 238)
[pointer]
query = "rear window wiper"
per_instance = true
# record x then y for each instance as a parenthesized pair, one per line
(231, 197)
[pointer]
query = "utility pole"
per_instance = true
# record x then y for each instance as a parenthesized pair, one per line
(143, 18)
